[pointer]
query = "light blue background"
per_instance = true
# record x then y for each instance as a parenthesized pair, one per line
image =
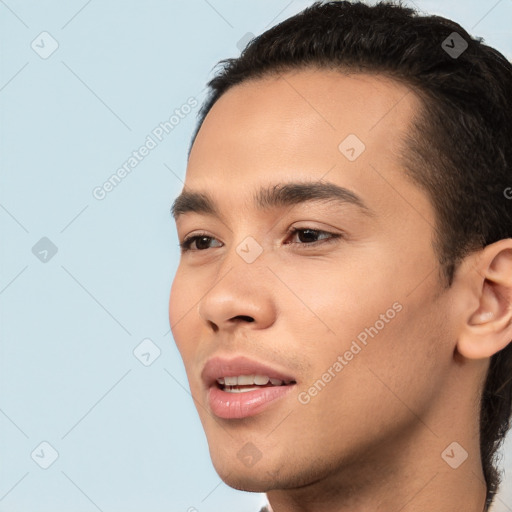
(128, 436)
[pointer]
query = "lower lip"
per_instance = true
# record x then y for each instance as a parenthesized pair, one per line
(242, 405)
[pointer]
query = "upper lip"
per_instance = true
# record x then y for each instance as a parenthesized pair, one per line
(217, 367)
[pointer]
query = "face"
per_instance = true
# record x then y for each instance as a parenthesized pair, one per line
(348, 310)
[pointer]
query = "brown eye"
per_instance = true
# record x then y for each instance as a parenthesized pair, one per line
(309, 236)
(201, 240)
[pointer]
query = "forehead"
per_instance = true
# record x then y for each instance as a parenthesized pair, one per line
(304, 125)
(314, 103)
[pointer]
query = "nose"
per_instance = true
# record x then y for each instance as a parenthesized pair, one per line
(241, 296)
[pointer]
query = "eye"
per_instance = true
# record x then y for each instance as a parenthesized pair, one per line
(198, 239)
(309, 233)
(203, 239)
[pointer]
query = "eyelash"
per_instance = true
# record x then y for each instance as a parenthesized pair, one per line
(187, 242)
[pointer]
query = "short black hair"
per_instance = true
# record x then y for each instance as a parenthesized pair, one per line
(459, 147)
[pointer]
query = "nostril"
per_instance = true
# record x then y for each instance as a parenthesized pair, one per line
(245, 317)
(213, 325)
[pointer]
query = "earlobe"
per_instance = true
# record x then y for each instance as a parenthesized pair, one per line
(488, 328)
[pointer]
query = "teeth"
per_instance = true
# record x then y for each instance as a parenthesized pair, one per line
(240, 390)
(248, 380)
(245, 380)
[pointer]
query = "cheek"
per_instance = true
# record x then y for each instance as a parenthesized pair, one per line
(379, 388)
(175, 301)
(181, 302)
(390, 339)
(336, 300)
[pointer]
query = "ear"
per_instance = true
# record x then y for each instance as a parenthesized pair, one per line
(487, 328)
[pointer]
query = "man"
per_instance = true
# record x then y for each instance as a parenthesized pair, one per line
(343, 299)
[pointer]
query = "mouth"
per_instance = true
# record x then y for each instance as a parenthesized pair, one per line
(246, 383)
(240, 387)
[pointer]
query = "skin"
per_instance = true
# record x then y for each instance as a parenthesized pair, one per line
(372, 439)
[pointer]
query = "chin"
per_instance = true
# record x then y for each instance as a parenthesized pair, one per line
(250, 479)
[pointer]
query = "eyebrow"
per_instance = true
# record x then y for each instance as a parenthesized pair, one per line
(272, 197)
